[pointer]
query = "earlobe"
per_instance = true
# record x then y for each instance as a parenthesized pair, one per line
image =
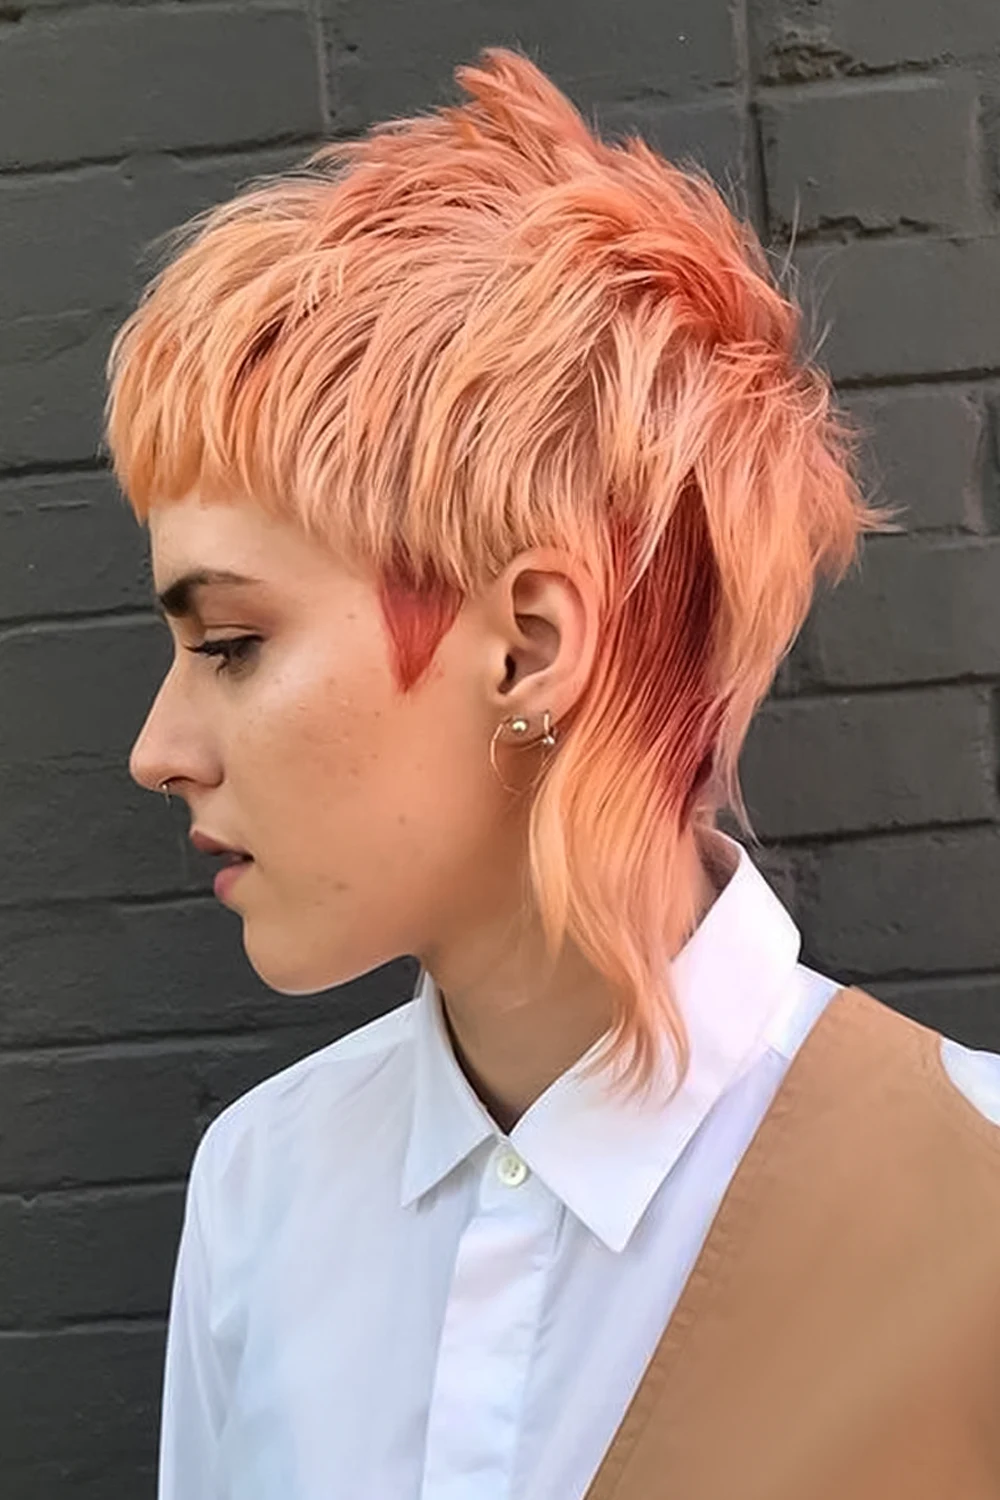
(519, 728)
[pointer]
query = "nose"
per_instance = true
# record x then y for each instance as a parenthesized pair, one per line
(173, 745)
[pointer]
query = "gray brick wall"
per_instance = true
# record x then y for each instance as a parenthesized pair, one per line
(128, 1016)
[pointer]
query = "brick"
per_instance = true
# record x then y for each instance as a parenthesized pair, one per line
(829, 765)
(80, 830)
(70, 976)
(67, 241)
(915, 611)
(25, 7)
(78, 1413)
(52, 388)
(58, 672)
(778, 868)
(905, 905)
(965, 1007)
(397, 58)
(68, 545)
(71, 1257)
(71, 265)
(905, 307)
(712, 135)
(922, 451)
(153, 78)
(990, 121)
(806, 39)
(874, 157)
(776, 864)
(991, 467)
(131, 1112)
(79, 239)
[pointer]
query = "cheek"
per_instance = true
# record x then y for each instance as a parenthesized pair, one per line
(348, 782)
(308, 740)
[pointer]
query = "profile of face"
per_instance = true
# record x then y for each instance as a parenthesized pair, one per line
(371, 820)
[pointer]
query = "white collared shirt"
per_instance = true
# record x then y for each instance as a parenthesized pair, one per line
(379, 1296)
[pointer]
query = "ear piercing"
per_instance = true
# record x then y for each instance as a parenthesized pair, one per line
(518, 725)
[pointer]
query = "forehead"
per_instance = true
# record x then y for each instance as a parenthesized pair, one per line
(199, 535)
(195, 533)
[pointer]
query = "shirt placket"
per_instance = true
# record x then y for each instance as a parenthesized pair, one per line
(489, 1332)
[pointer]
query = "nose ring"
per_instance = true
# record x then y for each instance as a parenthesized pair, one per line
(165, 788)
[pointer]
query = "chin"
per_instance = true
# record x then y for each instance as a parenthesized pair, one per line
(285, 978)
(281, 966)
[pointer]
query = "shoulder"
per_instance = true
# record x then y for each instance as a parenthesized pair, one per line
(974, 1074)
(312, 1100)
(969, 1075)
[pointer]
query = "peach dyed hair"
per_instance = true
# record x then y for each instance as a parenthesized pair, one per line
(481, 330)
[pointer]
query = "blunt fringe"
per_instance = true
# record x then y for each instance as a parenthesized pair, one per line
(485, 329)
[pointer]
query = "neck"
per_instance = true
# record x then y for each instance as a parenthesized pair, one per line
(515, 1030)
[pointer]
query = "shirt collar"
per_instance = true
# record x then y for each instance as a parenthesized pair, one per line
(602, 1154)
(449, 1120)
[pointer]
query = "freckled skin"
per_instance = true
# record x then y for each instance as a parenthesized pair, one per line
(374, 820)
(375, 823)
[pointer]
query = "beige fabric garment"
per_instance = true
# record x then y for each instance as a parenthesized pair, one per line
(839, 1336)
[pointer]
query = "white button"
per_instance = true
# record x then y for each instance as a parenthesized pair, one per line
(511, 1170)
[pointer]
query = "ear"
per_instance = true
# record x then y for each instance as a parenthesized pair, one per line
(543, 615)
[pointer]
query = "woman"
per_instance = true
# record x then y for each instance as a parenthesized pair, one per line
(486, 491)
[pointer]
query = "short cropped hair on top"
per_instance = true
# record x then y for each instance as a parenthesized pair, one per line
(485, 329)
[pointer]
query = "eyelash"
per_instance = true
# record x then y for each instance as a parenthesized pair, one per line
(233, 652)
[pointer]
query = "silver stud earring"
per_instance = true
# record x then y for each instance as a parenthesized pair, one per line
(548, 730)
(519, 726)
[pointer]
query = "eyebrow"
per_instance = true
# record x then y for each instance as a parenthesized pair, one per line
(178, 599)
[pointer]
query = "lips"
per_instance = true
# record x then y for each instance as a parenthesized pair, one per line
(234, 861)
(233, 857)
(230, 854)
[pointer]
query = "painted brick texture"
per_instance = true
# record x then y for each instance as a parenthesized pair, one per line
(864, 141)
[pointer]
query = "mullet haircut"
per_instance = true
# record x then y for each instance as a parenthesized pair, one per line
(482, 330)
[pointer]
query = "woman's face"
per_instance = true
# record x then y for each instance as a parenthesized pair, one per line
(371, 818)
